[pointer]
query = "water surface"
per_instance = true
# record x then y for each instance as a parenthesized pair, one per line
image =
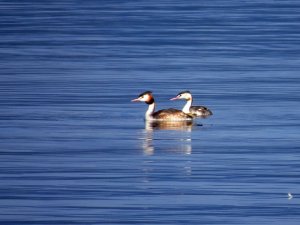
(75, 150)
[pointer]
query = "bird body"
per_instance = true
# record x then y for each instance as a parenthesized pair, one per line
(161, 115)
(195, 111)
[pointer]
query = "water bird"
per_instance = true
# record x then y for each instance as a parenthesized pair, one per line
(161, 115)
(290, 196)
(195, 111)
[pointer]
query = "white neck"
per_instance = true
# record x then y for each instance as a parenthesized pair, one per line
(150, 111)
(188, 104)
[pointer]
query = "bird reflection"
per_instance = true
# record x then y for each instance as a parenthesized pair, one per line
(181, 143)
(169, 125)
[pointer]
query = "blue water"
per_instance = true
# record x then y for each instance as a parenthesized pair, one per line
(75, 150)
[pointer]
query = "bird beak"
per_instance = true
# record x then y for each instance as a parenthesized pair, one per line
(174, 98)
(135, 100)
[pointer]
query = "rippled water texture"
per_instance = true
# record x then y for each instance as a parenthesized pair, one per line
(74, 149)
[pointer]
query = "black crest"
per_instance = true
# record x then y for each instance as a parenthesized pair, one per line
(145, 93)
(184, 92)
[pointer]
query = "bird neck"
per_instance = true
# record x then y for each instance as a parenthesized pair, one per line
(187, 106)
(150, 111)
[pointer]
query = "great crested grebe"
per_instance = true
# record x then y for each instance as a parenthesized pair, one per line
(195, 111)
(161, 115)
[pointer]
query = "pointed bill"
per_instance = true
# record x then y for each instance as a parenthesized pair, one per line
(175, 98)
(135, 100)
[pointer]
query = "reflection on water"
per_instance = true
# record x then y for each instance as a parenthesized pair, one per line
(178, 142)
(169, 125)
